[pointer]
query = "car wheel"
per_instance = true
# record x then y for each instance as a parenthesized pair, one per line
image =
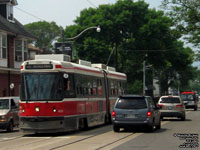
(151, 128)
(116, 128)
(10, 126)
(159, 125)
(183, 118)
(195, 108)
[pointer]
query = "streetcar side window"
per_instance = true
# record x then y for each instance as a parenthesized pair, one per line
(94, 87)
(69, 86)
(99, 87)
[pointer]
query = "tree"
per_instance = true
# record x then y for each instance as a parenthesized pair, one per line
(45, 33)
(131, 30)
(186, 16)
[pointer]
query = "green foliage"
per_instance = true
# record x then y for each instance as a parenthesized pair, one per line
(186, 16)
(136, 87)
(45, 33)
(133, 30)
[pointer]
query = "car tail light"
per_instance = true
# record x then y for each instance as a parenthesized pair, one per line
(149, 114)
(113, 114)
(160, 105)
(58, 66)
(179, 106)
(22, 67)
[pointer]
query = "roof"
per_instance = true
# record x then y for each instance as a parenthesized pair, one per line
(132, 96)
(33, 48)
(14, 2)
(14, 27)
(170, 96)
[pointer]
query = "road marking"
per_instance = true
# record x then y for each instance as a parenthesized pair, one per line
(38, 137)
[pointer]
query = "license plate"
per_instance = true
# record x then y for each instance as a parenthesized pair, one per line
(170, 108)
(129, 116)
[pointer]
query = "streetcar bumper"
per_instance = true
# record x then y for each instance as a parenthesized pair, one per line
(44, 124)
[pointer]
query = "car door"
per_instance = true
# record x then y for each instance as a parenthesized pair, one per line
(14, 111)
(155, 109)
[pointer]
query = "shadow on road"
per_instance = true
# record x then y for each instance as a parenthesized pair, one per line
(6, 132)
(88, 131)
(175, 119)
(144, 130)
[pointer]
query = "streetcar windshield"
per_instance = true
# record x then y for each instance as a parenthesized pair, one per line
(41, 86)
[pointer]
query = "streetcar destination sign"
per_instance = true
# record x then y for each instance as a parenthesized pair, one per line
(39, 66)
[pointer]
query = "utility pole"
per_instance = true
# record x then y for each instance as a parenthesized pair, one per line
(144, 70)
(63, 41)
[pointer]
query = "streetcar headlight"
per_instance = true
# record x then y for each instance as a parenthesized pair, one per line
(54, 110)
(23, 110)
(37, 109)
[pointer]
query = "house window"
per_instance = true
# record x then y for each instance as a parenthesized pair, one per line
(3, 46)
(21, 50)
(18, 50)
(10, 12)
(25, 51)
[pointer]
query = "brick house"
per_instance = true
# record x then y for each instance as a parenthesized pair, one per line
(13, 49)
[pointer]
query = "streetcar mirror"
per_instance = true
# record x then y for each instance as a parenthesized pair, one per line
(66, 76)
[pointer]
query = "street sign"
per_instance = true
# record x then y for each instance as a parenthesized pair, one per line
(63, 48)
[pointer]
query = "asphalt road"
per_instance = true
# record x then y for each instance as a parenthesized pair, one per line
(103, 138)
(166, 138)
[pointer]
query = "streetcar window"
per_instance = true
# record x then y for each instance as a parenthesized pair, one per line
(94, 89)
(100, 90)
(69, 86)
(41, 86)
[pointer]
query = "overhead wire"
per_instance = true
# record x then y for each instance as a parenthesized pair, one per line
(91, 3)
(30, 14)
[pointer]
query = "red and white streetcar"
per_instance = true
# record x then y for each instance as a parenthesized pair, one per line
(58, 95)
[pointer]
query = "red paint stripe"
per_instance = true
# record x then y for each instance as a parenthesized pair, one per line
(66, 108)
(82, 69)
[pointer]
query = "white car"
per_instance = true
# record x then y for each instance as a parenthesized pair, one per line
(9, 113)
(171, 106)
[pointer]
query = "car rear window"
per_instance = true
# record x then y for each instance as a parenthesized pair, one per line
(170, 100)
(131, 103)
(188, 97)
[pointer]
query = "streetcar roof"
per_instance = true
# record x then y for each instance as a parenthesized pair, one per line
(71, 68)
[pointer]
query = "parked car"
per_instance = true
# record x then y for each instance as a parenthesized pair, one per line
(9, 113)
(190, 100)
(171, 106)
(135, 111)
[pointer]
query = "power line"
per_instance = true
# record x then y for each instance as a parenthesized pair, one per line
(29, 14)
(91, 3)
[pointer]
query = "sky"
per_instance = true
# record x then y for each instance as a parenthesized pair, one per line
(63, 12)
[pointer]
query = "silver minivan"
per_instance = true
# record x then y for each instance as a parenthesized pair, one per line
(9, 113)
(135, 111)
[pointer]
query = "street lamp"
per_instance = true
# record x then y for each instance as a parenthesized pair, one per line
(98, 29)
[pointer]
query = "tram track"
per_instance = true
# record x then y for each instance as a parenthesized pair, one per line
(36, 139)
(76, 142)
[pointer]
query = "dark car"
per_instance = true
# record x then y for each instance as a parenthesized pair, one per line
(135, 111)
